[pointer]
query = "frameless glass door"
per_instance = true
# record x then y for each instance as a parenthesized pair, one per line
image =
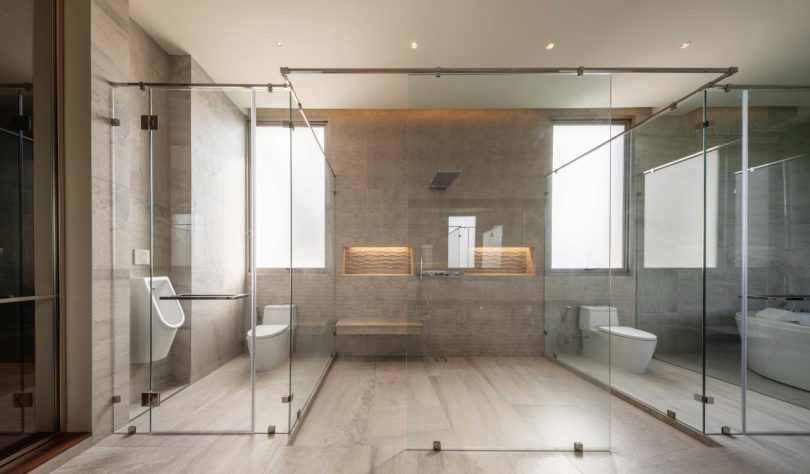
(201, 316)
(482, 372)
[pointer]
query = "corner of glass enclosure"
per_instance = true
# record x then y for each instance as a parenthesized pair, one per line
(214, 318)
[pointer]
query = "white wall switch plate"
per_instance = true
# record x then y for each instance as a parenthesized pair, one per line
(140, 257)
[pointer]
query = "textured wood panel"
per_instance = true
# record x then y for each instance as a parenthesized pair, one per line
(377, 261)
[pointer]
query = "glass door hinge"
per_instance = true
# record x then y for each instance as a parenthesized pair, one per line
(116, 398)
(287, 398)
(437, 445)
(150, 399)
(707, 400)
(115, 122)
(671, 414)
(149, 122)
(23, 123)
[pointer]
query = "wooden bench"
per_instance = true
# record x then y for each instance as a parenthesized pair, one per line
(377, 327)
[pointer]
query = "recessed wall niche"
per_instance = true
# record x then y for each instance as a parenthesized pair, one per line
(377, 261)
(503, 261)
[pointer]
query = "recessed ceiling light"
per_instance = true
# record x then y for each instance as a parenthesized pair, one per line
(550, 46)
(279, 44)
(686, 44)
(414, 45)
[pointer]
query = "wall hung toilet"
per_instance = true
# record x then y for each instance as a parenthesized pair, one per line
(167, 316)
(630, 348)
(273, 336)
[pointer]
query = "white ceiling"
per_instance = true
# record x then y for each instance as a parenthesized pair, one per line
(235, 42)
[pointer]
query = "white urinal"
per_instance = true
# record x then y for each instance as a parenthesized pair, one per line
(167, 316)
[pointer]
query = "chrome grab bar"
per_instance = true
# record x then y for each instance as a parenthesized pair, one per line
(185, 297)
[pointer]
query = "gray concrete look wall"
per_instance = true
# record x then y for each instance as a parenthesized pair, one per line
(218, 209)
(384, 160)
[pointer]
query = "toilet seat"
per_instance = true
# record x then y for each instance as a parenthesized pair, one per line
(267, 330)
(628, 332)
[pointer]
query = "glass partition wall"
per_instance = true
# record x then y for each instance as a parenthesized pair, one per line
(775, 323)
(216, 330)
(477, 151)
(716, 271)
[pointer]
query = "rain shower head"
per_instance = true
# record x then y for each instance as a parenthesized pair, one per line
(443, 180)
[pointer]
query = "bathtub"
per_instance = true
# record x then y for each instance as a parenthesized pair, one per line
(778, 350)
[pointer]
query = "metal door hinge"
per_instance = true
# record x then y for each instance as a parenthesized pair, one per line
(707, 400)
(271, 429)
(115, 122)
(23, 400)
(725, 430)
(578, 447)
(116, 398)
(287, 398)
(706, 124)
(150, 399)
(437, 445)
(131, 430)
(149, 122)
(671, 414)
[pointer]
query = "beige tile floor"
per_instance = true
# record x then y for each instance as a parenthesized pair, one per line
(221, 401)
(666, 386)
(359, 423)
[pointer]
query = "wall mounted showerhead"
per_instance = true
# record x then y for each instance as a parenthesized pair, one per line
(443, 179)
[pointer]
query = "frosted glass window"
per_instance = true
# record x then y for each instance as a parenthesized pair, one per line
(277, 208)
(673, 214)
(587, 197)
(461, 242)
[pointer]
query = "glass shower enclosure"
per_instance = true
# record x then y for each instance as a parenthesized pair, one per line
(210, 335)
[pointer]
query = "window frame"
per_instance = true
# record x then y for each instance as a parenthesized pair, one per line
(251, 195)
(627, 158)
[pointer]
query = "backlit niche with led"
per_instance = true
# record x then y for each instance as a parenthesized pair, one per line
(377, 261)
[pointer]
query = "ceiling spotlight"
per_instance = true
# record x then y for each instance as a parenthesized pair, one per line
(686, 44)
(414, 45)
(279, 44)
(550, 46)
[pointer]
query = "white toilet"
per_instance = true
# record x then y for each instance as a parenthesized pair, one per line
(273, 336)
(630, 348)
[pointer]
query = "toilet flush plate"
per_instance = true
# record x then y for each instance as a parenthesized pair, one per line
(140, 256)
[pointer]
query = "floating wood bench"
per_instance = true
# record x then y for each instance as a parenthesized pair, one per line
(377, 326)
